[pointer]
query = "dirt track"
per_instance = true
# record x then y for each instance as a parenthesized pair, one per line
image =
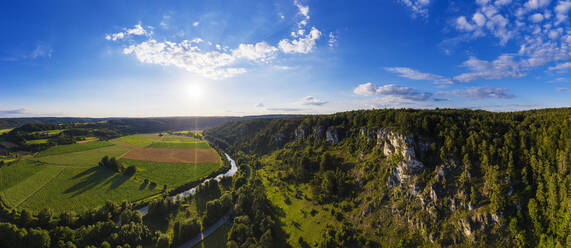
(171, 155)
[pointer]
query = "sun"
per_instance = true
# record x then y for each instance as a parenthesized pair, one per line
(195, 90)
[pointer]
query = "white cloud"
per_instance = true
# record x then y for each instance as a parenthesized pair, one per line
(417, 75)
(261, 51)
(504, 66)
(137, 30)
(301, 45)
(369, 89)
(418, 7)
(561, 89)
(537, 17)
(259, 105)
(310, 100)
(561, 67)
(479, 19)
(535, 4)
(195, 24)
(562, 10)
(332, 40)
(502, 2)
(482, 92)
(463, 25)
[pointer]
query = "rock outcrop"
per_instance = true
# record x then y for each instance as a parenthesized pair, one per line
(398, 144)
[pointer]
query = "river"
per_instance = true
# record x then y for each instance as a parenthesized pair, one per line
(229, 173)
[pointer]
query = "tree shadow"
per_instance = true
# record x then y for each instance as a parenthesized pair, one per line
(143, 185)
(117, 181)
(93, 177)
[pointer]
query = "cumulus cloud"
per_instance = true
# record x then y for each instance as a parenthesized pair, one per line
(537, 17)
(561, 67)
(535, 4)
(369, 89)
(136, 30)
(562, 10)
(195, 24)
(260, 51)
(482, 92)
(217, 62)
(418, 7)
(503, 67)
(332, 40)
(301, 45)
(417, 75)
(310, 100)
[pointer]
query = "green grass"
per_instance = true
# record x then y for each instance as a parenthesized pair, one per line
(297, 220)
(85, 158)
(18, 193)
(85, 188)
(3, 131)
(18, 172)
(171, 174)
(179, 138)
(217, 239)
(35, 142)
(49, 132)
(171, 144)
(137, 140)
(57, 150)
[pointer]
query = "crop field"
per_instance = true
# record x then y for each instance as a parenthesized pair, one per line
(35, 142)
(3, 131)
(181, 145)
(84, 158)
(138, 139)
(56, 150)
(170, 155)
(172, 174)
(49, 132)
(67, 177)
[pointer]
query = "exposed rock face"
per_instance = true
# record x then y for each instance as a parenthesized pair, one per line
(394, 143)
(299, 133)
(279, 137)
(332, 136)
(319, 132)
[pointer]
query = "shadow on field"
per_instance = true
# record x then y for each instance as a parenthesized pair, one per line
(92, 177)
(116, 181)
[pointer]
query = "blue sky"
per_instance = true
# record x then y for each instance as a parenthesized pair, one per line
(188, 58)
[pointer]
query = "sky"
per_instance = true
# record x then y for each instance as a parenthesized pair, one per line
(240, 57)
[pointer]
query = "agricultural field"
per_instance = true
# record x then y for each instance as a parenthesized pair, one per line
(65, 149)
(3, 131)
(48, 132)
(68, 177)
(35, 142)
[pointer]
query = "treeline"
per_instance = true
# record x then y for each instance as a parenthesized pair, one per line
(113, 225)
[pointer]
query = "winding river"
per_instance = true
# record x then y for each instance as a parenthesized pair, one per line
(229, 173)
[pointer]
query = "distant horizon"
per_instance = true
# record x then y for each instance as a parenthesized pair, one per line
(275, 114)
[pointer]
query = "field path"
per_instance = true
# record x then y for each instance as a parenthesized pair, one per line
(37, 190)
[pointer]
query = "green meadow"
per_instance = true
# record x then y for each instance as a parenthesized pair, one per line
(179, 138)
(57, 150)
(138, 140)
(84, 158)
(171, 174)
(3, 131)
(35, 142)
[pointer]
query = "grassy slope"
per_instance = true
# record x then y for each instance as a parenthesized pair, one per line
(35, 142)
(18, 172)
(57, 150)
(2, 131)
(82, 188)
(295, 214)
(216, 239)
(137, 140)
(171, 174)
(85, 158)
(18, 193)
(169, 144)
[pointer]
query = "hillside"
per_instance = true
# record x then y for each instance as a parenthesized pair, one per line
(410, 177)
